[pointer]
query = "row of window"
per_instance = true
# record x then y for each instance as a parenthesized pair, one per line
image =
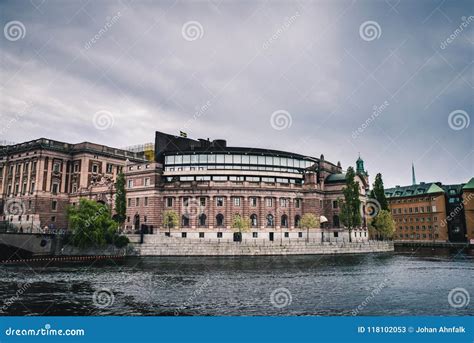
(237, 159)
(253, 201)
(224, 178)
(145, 182)
(421, 209)
(416, 219)
(418, 236)
(269, 219)
(137, 202)
(232, 167)
(417, 227)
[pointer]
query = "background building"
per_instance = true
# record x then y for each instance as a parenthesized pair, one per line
(433, 211)
(38, 179)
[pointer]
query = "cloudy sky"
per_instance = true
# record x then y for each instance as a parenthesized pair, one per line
(391, 80)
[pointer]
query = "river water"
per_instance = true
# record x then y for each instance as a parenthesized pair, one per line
(401, 283)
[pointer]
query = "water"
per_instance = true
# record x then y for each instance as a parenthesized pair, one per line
(401, 283)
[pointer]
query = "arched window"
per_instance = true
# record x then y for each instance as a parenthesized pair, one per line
(335, 221)
(284, 220)
(185, 220)
(202, 219)
(219, 220)
(270, 222)
(297, 221)
(253, 220)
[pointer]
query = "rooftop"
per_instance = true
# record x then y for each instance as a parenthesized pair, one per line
(413, 190)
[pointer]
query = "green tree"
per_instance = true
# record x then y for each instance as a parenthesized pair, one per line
(382, 225)
(91, 224)
(309, 221)
(120, 200)
(170, 219)
(350, 206)
(378, 192)
(241, 224)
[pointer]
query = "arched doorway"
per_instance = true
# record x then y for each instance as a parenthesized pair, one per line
(219, 220)
(253, 220)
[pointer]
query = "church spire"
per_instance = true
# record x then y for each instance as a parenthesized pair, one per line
(413, 179)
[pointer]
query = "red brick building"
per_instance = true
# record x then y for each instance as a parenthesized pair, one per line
(207, 183)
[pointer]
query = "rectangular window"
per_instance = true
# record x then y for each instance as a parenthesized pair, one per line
(55, 188)
(201, 234)
(95, 168)
(269, 202)
(129, 202)
(219, 235)
(287, 234)
(146, 201)
(169, 202)
(54, 205)
(185, 202)
(137, 202)
(300, 234)
(219, 178)
(283, 202)
(253, 202)
(335, 204)
(202, 201)
(297, 203)
(53, 219)
(255, 234)
(183, 234)
(32, 187)
(219, 201)
(236, 201)
(109, 168)
(336, 234)
(130, 183)
(147, 181)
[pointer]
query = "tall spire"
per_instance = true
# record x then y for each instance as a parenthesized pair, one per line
(413, 179)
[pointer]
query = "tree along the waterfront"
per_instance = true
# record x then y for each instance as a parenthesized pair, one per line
(382, 226)
(170, 220)
(350, 206)
(92, 226)
(309, 221)
(378, 192)
(120, 200)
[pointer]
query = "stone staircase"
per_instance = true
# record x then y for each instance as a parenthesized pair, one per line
(155, 245)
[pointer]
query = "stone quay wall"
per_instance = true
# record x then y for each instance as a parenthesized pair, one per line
(171, 246)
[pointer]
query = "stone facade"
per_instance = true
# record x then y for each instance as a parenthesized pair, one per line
(206, 197)
(40, 178)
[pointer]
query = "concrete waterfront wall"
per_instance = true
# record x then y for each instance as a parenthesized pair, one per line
(170, 246)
